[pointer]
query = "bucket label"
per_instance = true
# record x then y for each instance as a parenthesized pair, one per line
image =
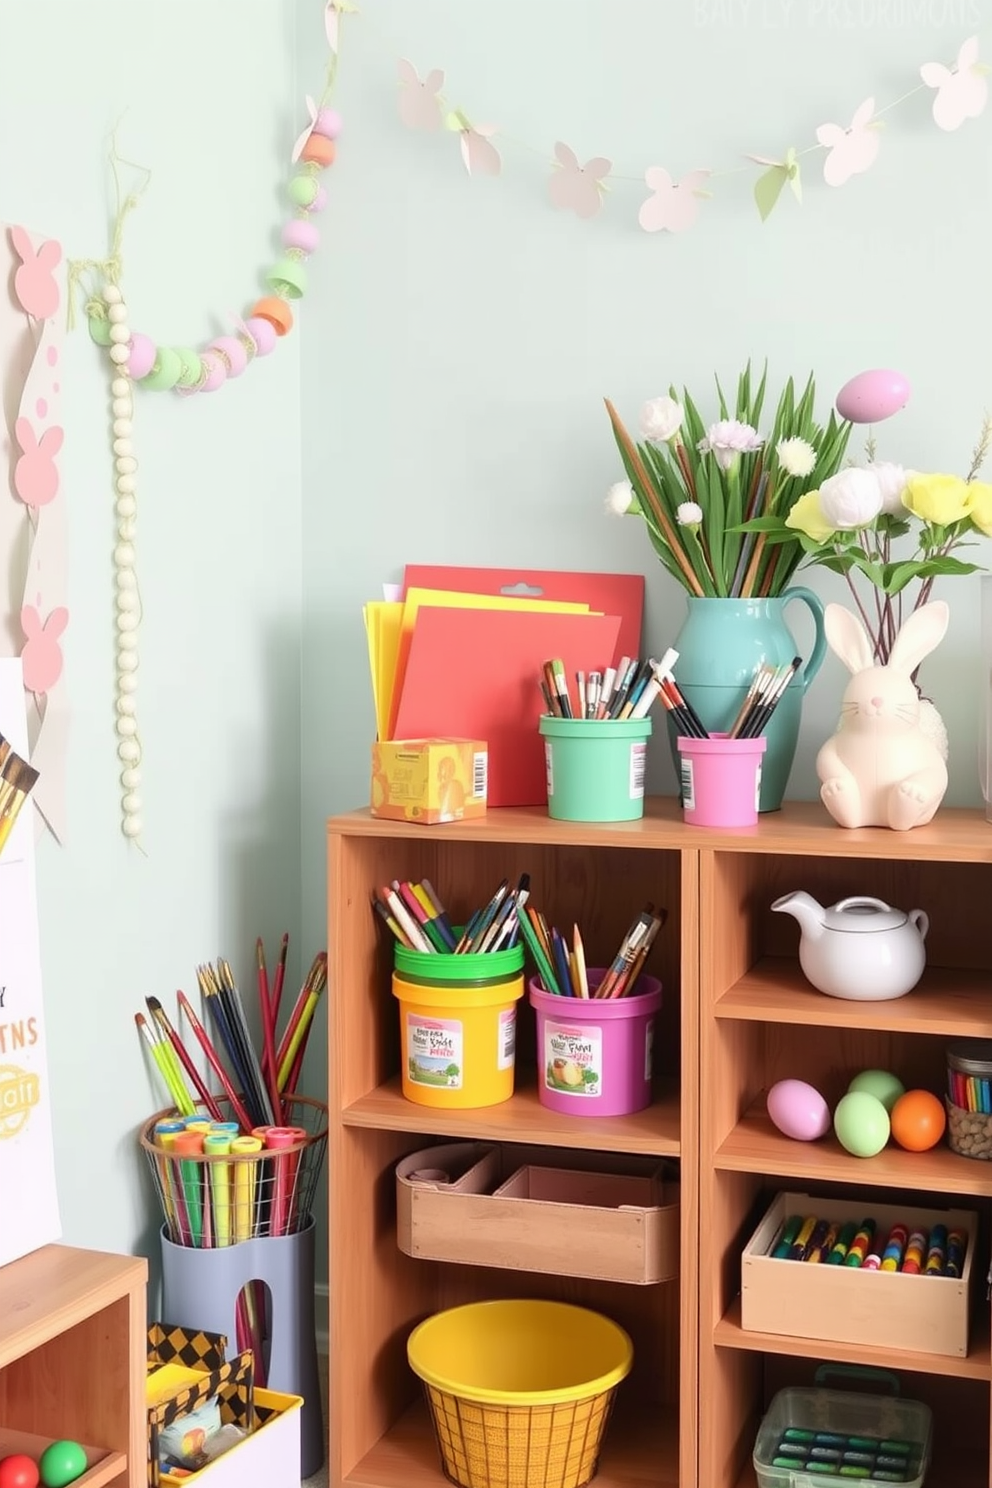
(686, 782)
(573, 1059)
(649, 1049)
(549, 767)
(757, 785)
(507, 1038)
(434, 1051)
(638, 758)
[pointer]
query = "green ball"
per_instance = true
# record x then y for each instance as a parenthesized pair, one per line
(861, 1123)
(303, 191)
(165, 373)
(100, 330)
(62, 1463)
(883, 1086)
(191, 366)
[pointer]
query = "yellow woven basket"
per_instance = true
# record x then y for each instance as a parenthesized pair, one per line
(520, 1392)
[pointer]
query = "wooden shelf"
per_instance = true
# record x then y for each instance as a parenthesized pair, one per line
(641, 1451)
(946, 1002)
(728, 1333)
(756, 1146)
(524, 1120)
(45, 1294)
(103, 1467)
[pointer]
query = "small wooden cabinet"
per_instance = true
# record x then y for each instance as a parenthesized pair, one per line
(72, 1360)
(737, 1015)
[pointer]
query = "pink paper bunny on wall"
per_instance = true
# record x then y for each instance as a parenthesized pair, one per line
(35, 284)
(36, 476)
(41, 654)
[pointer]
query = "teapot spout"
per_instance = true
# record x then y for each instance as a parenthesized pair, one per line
(804, 908)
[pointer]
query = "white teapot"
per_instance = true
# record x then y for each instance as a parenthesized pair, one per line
(861, 948)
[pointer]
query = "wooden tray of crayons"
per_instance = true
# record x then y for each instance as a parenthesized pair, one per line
(512, 1207)
(903, 1281)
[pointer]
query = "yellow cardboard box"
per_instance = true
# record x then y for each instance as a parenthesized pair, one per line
(429, 780)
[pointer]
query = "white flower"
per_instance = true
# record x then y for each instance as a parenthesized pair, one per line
(620, 499)
(851, 498)
(796, 456)
(727, 439)
(689, 514)
(661, 419)
(892, 482)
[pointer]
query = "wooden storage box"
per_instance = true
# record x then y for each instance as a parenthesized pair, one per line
(845, 1304)
(563, 1221)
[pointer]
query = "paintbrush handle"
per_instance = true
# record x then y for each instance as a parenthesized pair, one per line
(203, 1040)
(194, 1074)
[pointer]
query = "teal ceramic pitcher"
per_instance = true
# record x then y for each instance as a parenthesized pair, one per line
(721, 645)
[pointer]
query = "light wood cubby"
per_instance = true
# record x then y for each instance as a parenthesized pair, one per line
(737, 1015)
(72, 1360)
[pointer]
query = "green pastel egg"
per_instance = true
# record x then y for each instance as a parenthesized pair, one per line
(62, 1463)
(303, 191)
(881, 1084)
(288, 278)
(191, 368)
(165, 373)
(99, 330)
(861, 1123)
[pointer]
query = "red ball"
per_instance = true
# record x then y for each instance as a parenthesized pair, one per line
(918, 1120)
(18, 1472)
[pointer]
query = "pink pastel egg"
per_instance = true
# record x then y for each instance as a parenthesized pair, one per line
(142, 355)
(216, 372)
(873, 396)
(328, 123)
(301, 234)
(232, 353)
(320, 200)
(798, 1110)
(263, 333)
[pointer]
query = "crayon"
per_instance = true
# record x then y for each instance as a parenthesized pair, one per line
(957, 1243)
(858, 1248)
(842, 1244)
(915, 1255)
(786, 1237)
(821, 1244)
(895, 1248)
(873, 1259)
(802, 1239)
(936, 1251)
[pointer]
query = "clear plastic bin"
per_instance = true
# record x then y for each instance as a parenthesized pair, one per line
(887, 1436)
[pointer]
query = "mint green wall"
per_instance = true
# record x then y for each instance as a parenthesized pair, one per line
(207, 98)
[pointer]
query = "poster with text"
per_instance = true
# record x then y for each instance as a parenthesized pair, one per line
(29, 1211)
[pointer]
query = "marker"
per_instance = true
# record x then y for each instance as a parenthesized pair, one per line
(936, 1251)
(915, 1254)
(873, 1259)
(802, 1239)
(820, 1249)
(957, 1242)
(895, 1248)
(244, 1185)
(841, 1244)
(218, 1144)
(858, 1248)
(593, 693)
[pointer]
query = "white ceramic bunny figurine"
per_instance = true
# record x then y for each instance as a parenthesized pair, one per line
(880, 769)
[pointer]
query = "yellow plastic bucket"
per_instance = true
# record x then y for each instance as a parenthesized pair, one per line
(458, 1025)
(520, 1392)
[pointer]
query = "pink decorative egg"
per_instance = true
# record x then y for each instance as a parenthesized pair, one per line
(216, 372)
(301, 234)
(798, 1110)
(141, 359)
(232, 353)
(328, 123)
(873, 396)
(262, 332)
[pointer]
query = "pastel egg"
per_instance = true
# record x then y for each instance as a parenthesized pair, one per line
(861, 1123)
(881, 1084)
(873, 396)
(798, 1110)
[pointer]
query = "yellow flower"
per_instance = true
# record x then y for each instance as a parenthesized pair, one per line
(807, 516)
(940, 499)
(980, 506)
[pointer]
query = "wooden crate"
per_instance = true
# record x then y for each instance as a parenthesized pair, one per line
(614, 1226)
(845, 1304)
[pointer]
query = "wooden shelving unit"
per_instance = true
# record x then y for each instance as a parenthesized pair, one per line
(737, 1015)
(72, 1360)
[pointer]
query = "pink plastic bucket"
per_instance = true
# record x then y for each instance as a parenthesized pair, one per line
(595, 1058)
(721, 780)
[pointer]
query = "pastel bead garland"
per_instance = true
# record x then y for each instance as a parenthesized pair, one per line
(187, 371)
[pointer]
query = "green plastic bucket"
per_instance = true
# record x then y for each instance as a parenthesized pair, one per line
(595, 767)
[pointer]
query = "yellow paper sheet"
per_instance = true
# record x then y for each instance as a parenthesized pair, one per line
(382, 628)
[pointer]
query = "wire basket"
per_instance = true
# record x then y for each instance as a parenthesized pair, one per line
(519, 1446)
(217, 1199)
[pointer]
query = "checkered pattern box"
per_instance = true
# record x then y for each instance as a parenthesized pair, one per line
(185, 1370)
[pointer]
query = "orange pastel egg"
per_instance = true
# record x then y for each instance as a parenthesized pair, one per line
(918, 1120)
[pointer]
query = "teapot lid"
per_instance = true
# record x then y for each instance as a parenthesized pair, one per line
(862, 914)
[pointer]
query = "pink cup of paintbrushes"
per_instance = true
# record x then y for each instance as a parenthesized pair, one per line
(282, 1139)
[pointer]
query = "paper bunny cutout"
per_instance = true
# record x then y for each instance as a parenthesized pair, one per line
(480, 156)
(35, 284)
(420, 106)
(881, 769)
(962, 93)
(850, 151)
(41, 654)
(36, 477)
(578, 188)
(674, 206)
(301, 143)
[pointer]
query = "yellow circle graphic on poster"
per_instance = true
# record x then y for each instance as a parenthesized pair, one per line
(19, 1092)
